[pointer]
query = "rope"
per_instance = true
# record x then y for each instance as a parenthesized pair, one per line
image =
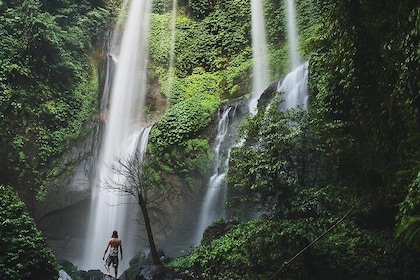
(285, 264)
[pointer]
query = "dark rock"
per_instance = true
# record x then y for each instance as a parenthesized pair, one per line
(217, 229)
(268, 94)
(153, 272)
(93, 275)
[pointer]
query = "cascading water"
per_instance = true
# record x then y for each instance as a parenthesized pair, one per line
(171, 70)
(295, 88)
(216, 195)
(215, 198)
(295, 84)
(108, 209)
(259, 54)
(292, 37)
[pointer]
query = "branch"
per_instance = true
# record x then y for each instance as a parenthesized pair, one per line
(285, 264)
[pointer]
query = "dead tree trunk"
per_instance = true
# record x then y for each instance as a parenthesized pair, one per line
(149, 232)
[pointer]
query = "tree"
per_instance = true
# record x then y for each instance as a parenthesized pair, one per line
(364, 73)
(24, 254)
(48, 87)
(408, 228)
(129, 180)
(285, 156)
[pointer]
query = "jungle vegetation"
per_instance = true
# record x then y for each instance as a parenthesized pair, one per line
(355, 148)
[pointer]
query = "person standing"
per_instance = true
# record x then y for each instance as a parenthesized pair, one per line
(114, 244)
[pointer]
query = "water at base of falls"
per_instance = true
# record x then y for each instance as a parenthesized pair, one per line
(109, 210)
(118, 211)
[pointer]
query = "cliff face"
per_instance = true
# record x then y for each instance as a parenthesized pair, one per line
(63, 215)
(74, 183)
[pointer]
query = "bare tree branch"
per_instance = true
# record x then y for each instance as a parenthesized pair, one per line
(127, 179)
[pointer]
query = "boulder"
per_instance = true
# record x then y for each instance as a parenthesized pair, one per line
(154, 272)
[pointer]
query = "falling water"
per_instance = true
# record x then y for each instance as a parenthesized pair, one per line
(259, 54)
(171, 70)
(295, 87)
(292, 37)
(108, 210)
(215, 198)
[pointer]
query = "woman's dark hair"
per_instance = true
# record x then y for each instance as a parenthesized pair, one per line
(114, 234)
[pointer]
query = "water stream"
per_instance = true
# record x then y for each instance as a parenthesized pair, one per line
(292, 35)
(171, 70)
(122, 133)
(295, 88)
(260, 71)
(213, 206)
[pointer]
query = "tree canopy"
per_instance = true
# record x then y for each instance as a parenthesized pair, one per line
(25, 254)
(48, 85)
(359, 140)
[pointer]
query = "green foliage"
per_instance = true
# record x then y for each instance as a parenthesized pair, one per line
(199, 9)
(362, 76)
(24, 251)
(240, 250)
(252, 250)
(160, 42)
(161, 6)
(183, 121)
(289, 154)
(409, 215)
(189, 158)
(259, 248)
(352, 253)
(49, 87)
(209, 43)
(275, 22)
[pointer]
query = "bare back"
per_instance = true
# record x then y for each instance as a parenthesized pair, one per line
(114, 244)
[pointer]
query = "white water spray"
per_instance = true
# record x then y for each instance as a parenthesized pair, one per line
(259, 54)
(109, 210)
(171, 70)
(216, 195)
(295, 88)
(292, 37)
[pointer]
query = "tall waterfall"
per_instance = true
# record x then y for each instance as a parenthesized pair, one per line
(213, 206)
(171, 70)
(216, 195)
(292, 37)
(122, 133)
(295, 83)
(259, 54)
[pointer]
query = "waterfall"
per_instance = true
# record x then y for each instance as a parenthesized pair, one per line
(171, 70)
(295, 88)
(213, 206)
(259, 54)
(216, 195)
(122, 133)
(295, 84)
(292, 37)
